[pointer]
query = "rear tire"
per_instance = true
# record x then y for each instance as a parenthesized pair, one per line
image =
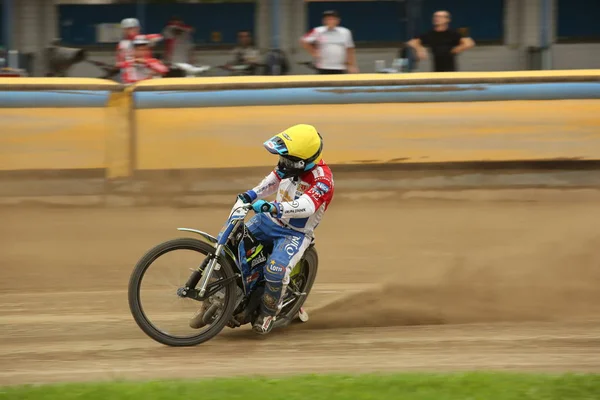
(311, 257)
(137, 275)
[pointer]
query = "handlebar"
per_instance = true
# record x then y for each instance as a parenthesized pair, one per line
(264, 208)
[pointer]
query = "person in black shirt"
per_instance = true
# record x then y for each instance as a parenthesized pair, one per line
(445, 43)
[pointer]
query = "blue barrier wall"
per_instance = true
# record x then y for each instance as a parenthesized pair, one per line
(77, 23)
(384, 21)
(365, 95)
(54, 99)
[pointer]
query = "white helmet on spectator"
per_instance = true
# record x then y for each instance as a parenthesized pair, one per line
(130, 23)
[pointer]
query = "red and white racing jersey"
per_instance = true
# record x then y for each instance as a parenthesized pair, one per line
(301, 203)
(125, 50)
(132, 72)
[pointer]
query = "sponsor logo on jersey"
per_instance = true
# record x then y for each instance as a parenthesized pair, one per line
(322, 187)
(259, 259)
(253, 277)
(275, 268)
(285, 196)
(292, 246)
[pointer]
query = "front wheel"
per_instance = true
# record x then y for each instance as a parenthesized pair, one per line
(163, 298)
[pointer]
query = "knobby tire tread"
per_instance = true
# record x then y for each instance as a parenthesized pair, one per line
(134, 292)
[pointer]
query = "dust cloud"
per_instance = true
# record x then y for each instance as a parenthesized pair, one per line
(555, 277)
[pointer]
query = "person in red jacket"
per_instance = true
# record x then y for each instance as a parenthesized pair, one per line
(142, 66)
(131, 29)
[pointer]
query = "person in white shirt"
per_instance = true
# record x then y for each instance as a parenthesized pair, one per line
(179, 42)
(331, 46)
(245, 54)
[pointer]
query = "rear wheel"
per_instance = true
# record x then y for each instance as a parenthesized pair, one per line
(224, 297)
(301, 282)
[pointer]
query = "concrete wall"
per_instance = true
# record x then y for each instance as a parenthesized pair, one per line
(483, 58)
(37, 23)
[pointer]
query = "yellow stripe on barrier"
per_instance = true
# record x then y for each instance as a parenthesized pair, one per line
(424, 77)
(119, 134)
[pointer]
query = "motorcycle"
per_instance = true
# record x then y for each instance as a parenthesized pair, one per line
(228, 284)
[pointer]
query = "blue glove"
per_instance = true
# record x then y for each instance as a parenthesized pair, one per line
(261, 206)
(247, 197)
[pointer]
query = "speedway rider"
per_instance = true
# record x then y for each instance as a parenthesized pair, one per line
(304, 186)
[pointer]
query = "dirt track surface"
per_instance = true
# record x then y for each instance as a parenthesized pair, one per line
(450, 285)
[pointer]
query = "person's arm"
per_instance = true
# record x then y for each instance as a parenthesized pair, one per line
(418, 44)
(308, 43)
(465, 43)
(187, 28)
(156, 66)
(121, 61)
(234, 56)
(265, 188)
(191, 56)
(351, 53)
(154, 38)
(252, 56)
(126, 76)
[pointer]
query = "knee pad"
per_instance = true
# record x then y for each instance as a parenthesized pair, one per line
(274, 275)
(275, 272)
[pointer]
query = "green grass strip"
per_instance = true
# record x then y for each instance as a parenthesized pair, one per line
(457, 386)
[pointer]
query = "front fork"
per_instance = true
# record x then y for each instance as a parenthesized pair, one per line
(212, 266)
(201, 275)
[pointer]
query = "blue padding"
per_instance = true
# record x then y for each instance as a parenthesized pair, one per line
(373, 94)
(45, 99)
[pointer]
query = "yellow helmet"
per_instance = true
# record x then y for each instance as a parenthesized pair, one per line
(299, 148)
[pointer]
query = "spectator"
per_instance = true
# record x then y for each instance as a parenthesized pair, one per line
(131, 29)
(331, 46)
(142, 66)
(245, 54)
(445, 43)
(179, 42)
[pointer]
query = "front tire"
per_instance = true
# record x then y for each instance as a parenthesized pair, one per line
(137, 310)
